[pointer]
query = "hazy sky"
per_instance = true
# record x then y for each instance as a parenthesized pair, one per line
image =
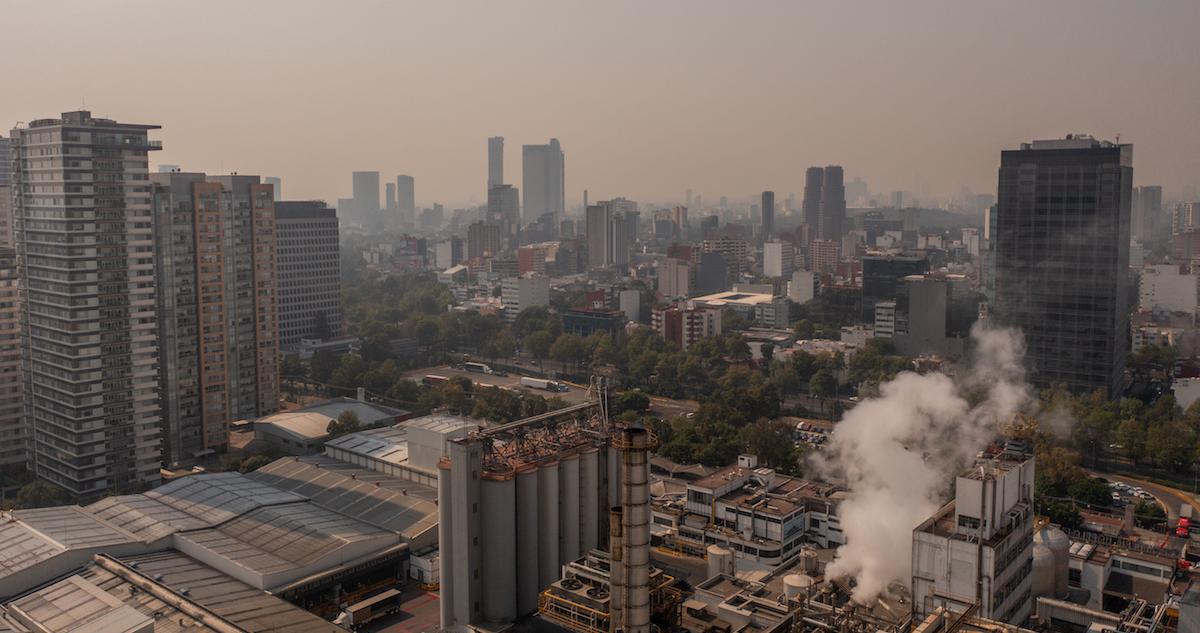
(648, 98)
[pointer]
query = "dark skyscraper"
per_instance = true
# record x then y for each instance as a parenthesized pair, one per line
(543, 167)
(495, 161)
(1062, 254)
(833, 204)
(1147, 212)
(768, 214)
(366, 195)
(406, 203)
(813, 179)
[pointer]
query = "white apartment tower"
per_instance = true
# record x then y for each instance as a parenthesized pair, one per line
(84, 228)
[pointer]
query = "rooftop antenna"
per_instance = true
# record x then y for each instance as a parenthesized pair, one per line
(1118, 138)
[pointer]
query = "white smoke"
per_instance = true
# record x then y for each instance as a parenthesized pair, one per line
(898, 452)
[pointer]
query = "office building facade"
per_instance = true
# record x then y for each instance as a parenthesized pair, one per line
(310, 264)
(89, 326)
(768, 215)
(833, 204)
(406, 202)
(599, 227)
(1062, 254)
(814, 179)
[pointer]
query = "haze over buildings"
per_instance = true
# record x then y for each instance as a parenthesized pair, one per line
(648, 148)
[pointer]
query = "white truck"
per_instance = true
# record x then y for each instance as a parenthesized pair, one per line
(354, 616)
(542, 383)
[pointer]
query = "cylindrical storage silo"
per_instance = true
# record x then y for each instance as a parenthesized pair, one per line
(527, 539)
(614, 476)
(796, 586)
(445, 552)
(1043, 571)
(1059, 545)
(548, 565)
(498, 551)
(568, 509)
(720, 561)
(809, 561)
(589, 500)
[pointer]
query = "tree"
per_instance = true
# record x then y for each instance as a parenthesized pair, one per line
(822, 384)
(767, 351)
(567, 348)
(632, 401)
(1091, 491)
(291, 366)
(41, 494)
(322, 366)
(345, 424)
(538, 343)
(253, 463)
(771, 441)
(1130, 436)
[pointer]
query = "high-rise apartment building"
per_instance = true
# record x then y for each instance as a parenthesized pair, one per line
(406, 201)
(6, 216)
(768, 214)
(543, 181)
(310, 264)
(833, 204)
(365, 195)
(599, 227)
(89, 334)
(495, 161)
(1062, 254)
(14, 434)
(216, 263)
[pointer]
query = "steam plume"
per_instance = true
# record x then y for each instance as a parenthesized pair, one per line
(897, 453)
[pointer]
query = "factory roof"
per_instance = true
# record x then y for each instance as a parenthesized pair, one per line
(96, 598)
(387, 444)
(308, 425)
(783, 496)
(31, 537)
(189, 503)
(398, 505)
(286, 540)
(367, 412)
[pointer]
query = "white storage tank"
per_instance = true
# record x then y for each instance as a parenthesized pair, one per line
(720, 561)
(797, 585)
(1059, 547)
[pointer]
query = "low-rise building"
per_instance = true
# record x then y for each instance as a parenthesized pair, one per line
(978, 548)
(586, 321)
(686, 325)
(520, 293)
(761, 516)
(767, 309)
(304, 431)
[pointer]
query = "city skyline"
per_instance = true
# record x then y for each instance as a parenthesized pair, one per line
(628, 132)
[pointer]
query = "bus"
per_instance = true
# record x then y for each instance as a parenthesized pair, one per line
(432, 380)
(478, 368)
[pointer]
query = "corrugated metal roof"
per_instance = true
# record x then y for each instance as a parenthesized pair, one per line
(388, 444)
(278, 538)
(398, 505)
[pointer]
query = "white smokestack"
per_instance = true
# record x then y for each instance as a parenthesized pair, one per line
(898, 452)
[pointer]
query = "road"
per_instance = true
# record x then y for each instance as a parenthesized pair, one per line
(1170, 498)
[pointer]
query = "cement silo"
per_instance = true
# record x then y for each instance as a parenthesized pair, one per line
(527, 539)
(548, 560)
(720, 561)
(1051, 562)
(498, 505)
(809, 562)
(568, 509)
(589, 499)
(445, 541)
